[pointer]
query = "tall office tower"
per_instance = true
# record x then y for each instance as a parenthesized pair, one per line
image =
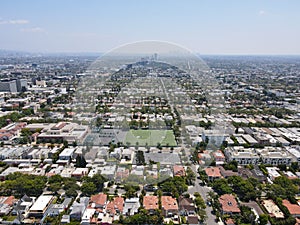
(16, 85)
(21, 85)
(8, 86)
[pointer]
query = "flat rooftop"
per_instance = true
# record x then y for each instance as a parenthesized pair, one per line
(41, 203)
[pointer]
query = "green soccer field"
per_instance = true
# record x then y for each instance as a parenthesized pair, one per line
(151, 137)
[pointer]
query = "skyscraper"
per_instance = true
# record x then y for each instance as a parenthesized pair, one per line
(15, 85)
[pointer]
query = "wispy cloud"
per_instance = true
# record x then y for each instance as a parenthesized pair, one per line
(262, 13)
(14, 21)
(33, 30)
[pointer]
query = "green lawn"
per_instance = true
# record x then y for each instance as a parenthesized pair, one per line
(151, 137)
(9, 218)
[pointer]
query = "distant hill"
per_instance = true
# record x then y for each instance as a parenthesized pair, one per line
(11, 53)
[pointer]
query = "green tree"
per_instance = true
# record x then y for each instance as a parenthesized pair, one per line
(80, 161)
(263, 219)
(70, 183)
(283, 188)
(190, 176)
(19, 184)
(88, 188)
(199, 202)
(245, 189)
(66, 144)
(294, 166)
(55, 179)
(233, 165)
(248, 217)
(98, 180)
(131, 190)
(71, 192)
(140, 158)
(54, 187)
(221, 186)
(203, 176)
(174, 186)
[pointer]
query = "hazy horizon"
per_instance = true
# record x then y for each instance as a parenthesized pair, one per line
(91, 53)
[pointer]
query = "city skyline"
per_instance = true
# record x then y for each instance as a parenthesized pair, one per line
(214, 27)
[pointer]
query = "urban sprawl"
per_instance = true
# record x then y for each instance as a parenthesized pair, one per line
(146, 146)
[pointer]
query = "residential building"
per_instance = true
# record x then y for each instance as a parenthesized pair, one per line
(99, 200)
(229, 204)
(67, 154)
(250, 140)
(193, 220)
(294, 209)
(273, 172)
(243, 156)
(186, 206)
(275, 156)
(40, 206)
(178, 171)
(150, 203)
(131, 206)
(80, 172)
(87, 216)
(294, 152)
(230, 221)
(23, 206)
(169, 206)
(272, 209)
(116, 206)
(10, 131)
(79, 208)
(219, 157)
(204, 157)
(290, 175)
(6, 204)
(108, 171)
(65, 219)
(227, 173)
(213, 173)
(121, 174)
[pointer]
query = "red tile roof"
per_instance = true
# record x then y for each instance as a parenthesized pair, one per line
(179, 170)
(229, 221)
(201, 154)
(169, 203)
(213, 172)
(294, 209)
(218, 155)
(150, 202)
(116, 204)
(122, 174)
(8, 200)
(99, 199)
(229, 204)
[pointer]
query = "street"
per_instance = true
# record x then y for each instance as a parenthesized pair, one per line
(203, 191)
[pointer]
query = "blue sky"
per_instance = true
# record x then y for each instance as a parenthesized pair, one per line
(204, 26)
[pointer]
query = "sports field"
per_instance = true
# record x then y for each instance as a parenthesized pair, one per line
(151, 137)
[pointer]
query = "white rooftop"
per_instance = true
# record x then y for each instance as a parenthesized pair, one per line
(41, 202)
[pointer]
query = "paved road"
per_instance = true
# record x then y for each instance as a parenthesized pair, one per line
(203, 191)
(196, 188)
